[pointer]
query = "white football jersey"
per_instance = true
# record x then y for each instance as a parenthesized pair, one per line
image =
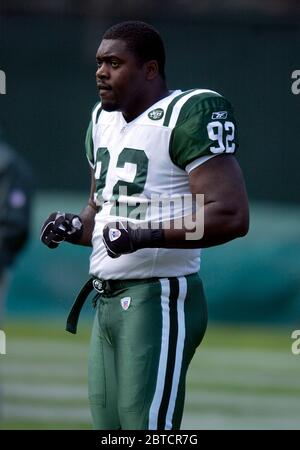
(147, 158)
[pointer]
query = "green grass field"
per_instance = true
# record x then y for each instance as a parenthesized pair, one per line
(240, 378)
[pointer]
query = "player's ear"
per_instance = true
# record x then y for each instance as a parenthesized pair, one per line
(151, 69)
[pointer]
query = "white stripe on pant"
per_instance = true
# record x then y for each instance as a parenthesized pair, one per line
(160, 384)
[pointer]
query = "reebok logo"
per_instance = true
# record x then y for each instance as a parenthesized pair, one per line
(219, 115)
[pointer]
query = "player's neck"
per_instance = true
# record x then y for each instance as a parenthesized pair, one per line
(149, 98)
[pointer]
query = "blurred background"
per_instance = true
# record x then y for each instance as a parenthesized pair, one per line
(245, 374)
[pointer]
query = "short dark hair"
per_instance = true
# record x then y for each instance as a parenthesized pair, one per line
(142, 39)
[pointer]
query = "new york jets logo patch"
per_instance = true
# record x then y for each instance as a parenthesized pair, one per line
(219, 115)
(114, 234)
(125, 302)
(156, 114)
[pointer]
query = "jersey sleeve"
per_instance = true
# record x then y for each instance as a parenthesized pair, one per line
(89, 145)
(89, 141)
(205, 127)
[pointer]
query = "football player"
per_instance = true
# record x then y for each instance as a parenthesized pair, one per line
(150, 149)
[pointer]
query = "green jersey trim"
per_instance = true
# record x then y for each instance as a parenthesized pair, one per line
(89, 144)
(98, 114)
(171, 106)
(196, 100)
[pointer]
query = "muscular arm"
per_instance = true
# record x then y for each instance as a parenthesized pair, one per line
(226, 214)
(87, 216)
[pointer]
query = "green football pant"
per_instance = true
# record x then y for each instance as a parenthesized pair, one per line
(144, 337)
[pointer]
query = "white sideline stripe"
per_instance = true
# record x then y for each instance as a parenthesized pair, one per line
(36, 370)
(247, 363)
(248, 358)
(179, 351)
(255, 379)
(222, 422)
(13, 372)
(154, 409)
(182, 101)
(274, 404)
(262, 402)
(42, 391)
(45, 414)
(29, 348)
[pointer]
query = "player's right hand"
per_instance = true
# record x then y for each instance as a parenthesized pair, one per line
(61, 227)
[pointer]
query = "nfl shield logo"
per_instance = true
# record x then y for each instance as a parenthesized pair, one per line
(125, 302)
(114, 234)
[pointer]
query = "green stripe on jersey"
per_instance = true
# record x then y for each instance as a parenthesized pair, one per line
(171, 106)
(98, 114)
(89, 145)
(197, 100)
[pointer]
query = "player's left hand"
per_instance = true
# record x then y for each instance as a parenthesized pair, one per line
(118, 239)
(123, 237)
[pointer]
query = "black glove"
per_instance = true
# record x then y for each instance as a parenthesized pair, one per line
(61, 227)
(120, 238)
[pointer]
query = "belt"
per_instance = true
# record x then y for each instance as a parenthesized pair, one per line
(103, 287)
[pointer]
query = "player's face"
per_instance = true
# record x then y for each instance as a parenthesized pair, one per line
(120, 77)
